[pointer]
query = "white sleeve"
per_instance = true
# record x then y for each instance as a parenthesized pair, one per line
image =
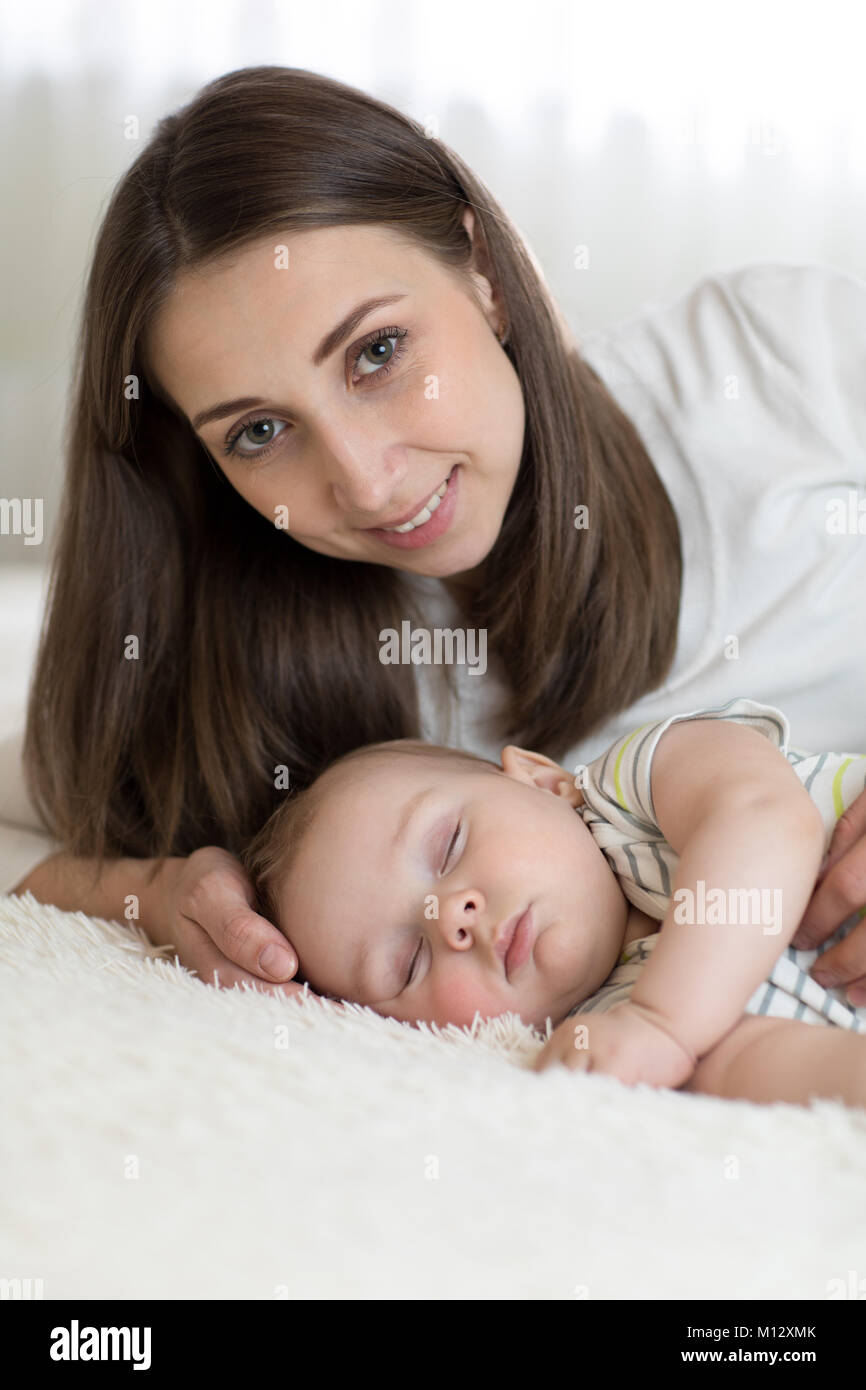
(24, 841)
(807, 324)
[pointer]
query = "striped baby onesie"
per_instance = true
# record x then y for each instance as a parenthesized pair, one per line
(620, 814)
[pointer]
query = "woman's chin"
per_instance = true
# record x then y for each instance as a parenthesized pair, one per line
(462, 565)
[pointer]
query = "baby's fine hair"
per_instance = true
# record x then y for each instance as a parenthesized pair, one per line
(272, 852)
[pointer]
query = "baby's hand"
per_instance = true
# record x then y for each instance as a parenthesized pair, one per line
(626, 1042)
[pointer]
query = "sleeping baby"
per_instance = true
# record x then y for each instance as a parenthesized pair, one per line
(639, 912)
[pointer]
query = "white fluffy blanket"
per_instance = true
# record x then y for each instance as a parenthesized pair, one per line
(164, 1139)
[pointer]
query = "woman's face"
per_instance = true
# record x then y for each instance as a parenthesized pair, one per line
(333, 436)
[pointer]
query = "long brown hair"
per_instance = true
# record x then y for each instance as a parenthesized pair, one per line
(255, 653)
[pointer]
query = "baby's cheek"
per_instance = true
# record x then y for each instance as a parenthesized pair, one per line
(457, 998)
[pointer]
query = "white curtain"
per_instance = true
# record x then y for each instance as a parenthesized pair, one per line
(636, 146)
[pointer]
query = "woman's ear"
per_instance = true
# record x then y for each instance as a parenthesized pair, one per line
(538, 771)
(481, 274)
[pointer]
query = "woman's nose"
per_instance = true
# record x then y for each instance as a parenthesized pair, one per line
(365, 478)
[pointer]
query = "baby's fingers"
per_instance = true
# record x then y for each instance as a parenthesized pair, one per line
(556, 1052)
(547, 1057)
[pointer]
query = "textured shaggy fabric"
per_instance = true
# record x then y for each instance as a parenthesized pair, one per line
(165, 1139)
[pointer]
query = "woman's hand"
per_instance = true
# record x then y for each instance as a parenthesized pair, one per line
(839, 893)
(204, 908)
(625, 1042)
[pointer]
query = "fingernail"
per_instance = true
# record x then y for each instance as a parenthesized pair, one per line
(857, 995)
(825, 978)
(277, 962)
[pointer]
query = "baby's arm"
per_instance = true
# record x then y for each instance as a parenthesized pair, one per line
(783, 1059)
(731, 806)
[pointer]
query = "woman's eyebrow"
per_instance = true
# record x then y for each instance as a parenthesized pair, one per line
(327, 346)
(347, 326)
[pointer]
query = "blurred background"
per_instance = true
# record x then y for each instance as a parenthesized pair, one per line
(636, 147)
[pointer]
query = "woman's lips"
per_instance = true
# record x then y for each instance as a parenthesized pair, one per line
(431, 530)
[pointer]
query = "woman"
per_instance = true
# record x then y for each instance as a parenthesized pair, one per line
(325, 404)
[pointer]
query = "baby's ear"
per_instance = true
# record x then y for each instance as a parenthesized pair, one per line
(537, 771)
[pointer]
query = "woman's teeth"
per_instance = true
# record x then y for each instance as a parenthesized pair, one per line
(425, 513)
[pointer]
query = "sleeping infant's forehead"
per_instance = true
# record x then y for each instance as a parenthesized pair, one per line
(396, 775)
(435, 763)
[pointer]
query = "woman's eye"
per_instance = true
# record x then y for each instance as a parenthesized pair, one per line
(383, 359)
(247, 429)
(382, 354)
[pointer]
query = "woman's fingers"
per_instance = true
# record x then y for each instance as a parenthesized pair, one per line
(201, 955)
(211, 966)
(219, 899)
(849, 829)
(254, 943)
(844, 965)
(841, 888)
(838, 897)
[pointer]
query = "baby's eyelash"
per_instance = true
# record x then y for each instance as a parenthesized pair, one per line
(414, 962)
(452, 844)
(417, 954)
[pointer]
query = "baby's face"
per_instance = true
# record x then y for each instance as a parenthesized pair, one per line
(416, 865)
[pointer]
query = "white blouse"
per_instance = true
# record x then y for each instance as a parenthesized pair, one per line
(749, 392)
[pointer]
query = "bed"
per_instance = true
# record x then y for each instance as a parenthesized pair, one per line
(164, 1139)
